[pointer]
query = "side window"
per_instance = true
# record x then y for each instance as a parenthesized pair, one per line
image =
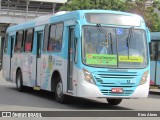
(59, 36)
(55, 38)
(29, 40)
(158, 50)
(6, 43)
(19, 41)
(153, 50)
(46, 36)
(52, 38)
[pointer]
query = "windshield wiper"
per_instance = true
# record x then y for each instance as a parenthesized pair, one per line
(101, 29)
(129, 39)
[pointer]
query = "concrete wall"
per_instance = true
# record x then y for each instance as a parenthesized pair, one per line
(17, 17)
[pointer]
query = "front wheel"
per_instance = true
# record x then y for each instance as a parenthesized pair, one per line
(60, 97)
(114, 101)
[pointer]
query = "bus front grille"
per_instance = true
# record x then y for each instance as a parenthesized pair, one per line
(116, 79)
(105, 81)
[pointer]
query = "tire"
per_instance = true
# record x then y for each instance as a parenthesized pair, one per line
(19, 82)
(59, 96)
(114, 101)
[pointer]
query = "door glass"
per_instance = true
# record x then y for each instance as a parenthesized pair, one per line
(11, 54)
(70, 52)
(12, 42)
(76, 50)
(6, 43)
(38, 61)
(153, 50)
(39, 40)
(158, 50)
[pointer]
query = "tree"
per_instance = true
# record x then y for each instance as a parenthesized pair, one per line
(94, 4)
(147, 12)
(137, 6)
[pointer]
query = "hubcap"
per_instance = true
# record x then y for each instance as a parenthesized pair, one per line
(59, 90)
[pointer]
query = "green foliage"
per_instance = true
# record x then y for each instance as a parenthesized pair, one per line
(138, 7)
(151, 18)
(158, 7)
(94, 4)
(156, 3)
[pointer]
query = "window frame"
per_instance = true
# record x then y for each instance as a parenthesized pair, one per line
(26, 39)
(23, 34)
(50, 36)
(45, 39)
(55, 36)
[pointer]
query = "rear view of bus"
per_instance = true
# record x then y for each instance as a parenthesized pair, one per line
(115, 60)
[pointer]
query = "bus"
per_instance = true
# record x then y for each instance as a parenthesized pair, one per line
(155, 58)
(83, 53)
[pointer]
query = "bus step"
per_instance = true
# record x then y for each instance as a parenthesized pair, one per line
(36, 88)
(153, 87)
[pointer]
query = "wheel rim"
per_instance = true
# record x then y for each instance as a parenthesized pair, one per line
(59, 90)
(18, 82)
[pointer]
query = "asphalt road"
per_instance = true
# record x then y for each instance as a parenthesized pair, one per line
(12, 100)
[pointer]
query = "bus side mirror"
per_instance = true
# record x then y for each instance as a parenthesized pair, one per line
(148, 34)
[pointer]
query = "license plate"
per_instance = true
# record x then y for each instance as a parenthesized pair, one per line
(117, 90)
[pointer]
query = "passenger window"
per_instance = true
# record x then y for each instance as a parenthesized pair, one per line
(55, 38)
(19, 41)
(59, 36)
(46, 36)
(51, 44)
(29, 40)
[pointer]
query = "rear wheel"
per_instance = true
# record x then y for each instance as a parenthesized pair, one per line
(19, 81)
(60, 97)
(114, 101)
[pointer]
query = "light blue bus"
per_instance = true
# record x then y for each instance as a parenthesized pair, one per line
(155, 58)
(84, 53)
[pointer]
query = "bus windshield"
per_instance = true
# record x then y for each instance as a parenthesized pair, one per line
(114, 47)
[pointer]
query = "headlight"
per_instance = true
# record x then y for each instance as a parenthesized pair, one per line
(144, 78)
(88, 76)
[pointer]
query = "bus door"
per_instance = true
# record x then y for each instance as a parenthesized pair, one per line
(70, 58)
(8, 58)
(39, 36)
(155, 62)
(11, 57)
(158, 64)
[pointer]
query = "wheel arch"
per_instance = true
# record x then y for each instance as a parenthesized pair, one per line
(54, 79)
(18, 69)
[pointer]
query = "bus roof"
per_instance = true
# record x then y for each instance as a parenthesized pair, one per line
(46, 19)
